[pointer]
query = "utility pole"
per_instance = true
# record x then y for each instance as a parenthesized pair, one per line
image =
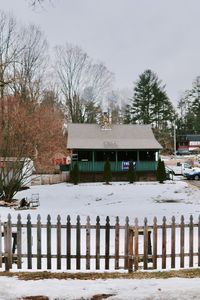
(175, 139)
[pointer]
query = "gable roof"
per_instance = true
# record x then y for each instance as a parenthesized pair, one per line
(92, 136)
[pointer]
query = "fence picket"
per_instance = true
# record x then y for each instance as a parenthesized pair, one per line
(199, 241)
(107, 243)
(135, 235)
(1, 244)
(173, 251)
(191, 242)
(78, 244)
(58, 242)
(68, 242)
(117, 244)
(155, 237)
(88, 243)
(182, 242)
(126, 243)
(97, 243)
(145, 257)
(130, 262)
(48, 242)
(164, 241)
(39, 241)
(29, 242)
(19, 242)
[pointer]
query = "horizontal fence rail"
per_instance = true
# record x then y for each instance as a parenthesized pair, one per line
(63, 245)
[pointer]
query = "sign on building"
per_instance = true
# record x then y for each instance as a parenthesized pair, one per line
(125, 165)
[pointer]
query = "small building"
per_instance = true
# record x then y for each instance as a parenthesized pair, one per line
(91, 145)
(17, 169)
(189, 142)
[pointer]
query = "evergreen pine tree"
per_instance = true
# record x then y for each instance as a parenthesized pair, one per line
(74, 174)
(126, 114)
(107, 174)
(150, 103)
(161, 173)
(131, 175)
(189, 106)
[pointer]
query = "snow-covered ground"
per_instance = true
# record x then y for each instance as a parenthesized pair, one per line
(139, 200)
(129, 289)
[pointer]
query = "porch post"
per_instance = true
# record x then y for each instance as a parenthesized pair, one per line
(116, 160)
(138, 160)
(138, 156)
(93, 158)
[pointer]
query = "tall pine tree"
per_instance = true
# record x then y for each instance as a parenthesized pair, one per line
(150, 103)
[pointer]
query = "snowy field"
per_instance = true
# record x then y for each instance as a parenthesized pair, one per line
(141, 199)
(118, 199)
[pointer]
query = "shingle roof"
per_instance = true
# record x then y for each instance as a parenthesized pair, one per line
(92, 136)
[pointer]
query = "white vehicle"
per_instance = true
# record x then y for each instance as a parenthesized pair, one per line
(179, 169)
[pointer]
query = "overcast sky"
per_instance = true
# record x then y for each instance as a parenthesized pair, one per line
(129, 36)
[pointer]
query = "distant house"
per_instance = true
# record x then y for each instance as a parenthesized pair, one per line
(91, 145)
(189, 142)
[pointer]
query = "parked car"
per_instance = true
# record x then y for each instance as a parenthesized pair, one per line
(183, 152)
(195, 175)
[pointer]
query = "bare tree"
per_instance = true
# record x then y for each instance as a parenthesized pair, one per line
(29, 74)
(82, 81)
(10, 50)
(14, 147)
(27, 126)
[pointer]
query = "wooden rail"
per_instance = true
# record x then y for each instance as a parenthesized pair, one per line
(62, 245)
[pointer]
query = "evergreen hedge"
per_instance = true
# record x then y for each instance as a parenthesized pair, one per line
(107, 174)
(131, 174)
(161, 173)
(75, 174)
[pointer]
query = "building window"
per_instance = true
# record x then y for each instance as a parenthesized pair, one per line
(147, 155)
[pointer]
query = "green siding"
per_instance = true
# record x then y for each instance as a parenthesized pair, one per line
(89, 166)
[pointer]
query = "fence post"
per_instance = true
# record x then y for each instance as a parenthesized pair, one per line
(126, 243)
(19, 242)
(8, 243)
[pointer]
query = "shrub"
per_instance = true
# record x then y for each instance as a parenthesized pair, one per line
(75, 174)
(107, 174)
(131, 174)
(161, 173)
